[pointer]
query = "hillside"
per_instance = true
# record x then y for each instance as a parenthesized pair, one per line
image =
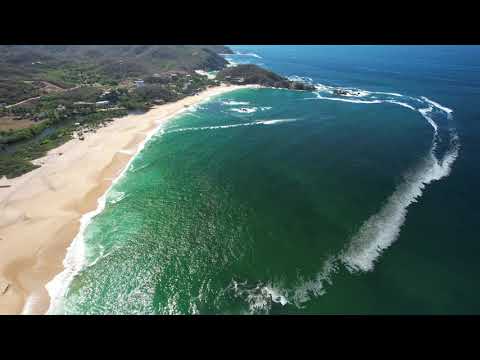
(64, 65)
(151, 57)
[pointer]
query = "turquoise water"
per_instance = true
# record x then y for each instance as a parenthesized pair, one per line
(270, 201)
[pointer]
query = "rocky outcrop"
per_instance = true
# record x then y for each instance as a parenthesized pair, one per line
(253, 74)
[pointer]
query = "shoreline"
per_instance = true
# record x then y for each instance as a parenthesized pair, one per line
(44, 211)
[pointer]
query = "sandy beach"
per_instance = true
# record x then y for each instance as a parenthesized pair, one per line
(40, 211)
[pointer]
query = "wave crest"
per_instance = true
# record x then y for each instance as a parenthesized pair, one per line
(383, 228)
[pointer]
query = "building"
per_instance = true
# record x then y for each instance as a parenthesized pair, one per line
(102, 103)
(139, 83)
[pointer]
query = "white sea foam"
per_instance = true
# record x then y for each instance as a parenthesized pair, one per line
(245, 110)
(347, 100)
(324, 88)
(251, 54)
(249, 110)
(234, 103)
(447, 110)
(387, 93)
(356, 93)
(315, 287)
(277, 121)
(379, 231)
(375, 101)
(214, 127)
(276, 295)
(116, 196)
(260, 297)
(382, 229)
(425, 113)
(402, 104)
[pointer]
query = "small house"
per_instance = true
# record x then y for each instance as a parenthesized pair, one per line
(102, 103)
(139, 83)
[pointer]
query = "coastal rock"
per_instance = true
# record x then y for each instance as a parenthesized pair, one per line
(297, 85)
(345, 92)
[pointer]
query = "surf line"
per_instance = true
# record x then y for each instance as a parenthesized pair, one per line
(213, 127)
(383, 228)
(378, 232)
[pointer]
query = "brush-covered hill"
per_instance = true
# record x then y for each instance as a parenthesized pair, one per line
(117, 61)
(184, 57)
(26, 70)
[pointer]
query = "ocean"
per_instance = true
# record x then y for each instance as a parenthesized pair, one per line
(272, 201)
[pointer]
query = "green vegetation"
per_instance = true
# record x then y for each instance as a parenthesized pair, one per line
(50, 110)
(11, 136)
(70, 75)
(19, 162)
(86, 89)
(12, 91)
(75, 89)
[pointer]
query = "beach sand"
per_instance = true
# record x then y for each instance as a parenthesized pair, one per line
(40, 211)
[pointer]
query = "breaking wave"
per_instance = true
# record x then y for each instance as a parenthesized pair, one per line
(381, 229)
(251, 54)
(245, 110)
(234, 103)
(214, 127)
(348, 100)
(260, 297)
(115, 196)
(402, 104)
(250, 110)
